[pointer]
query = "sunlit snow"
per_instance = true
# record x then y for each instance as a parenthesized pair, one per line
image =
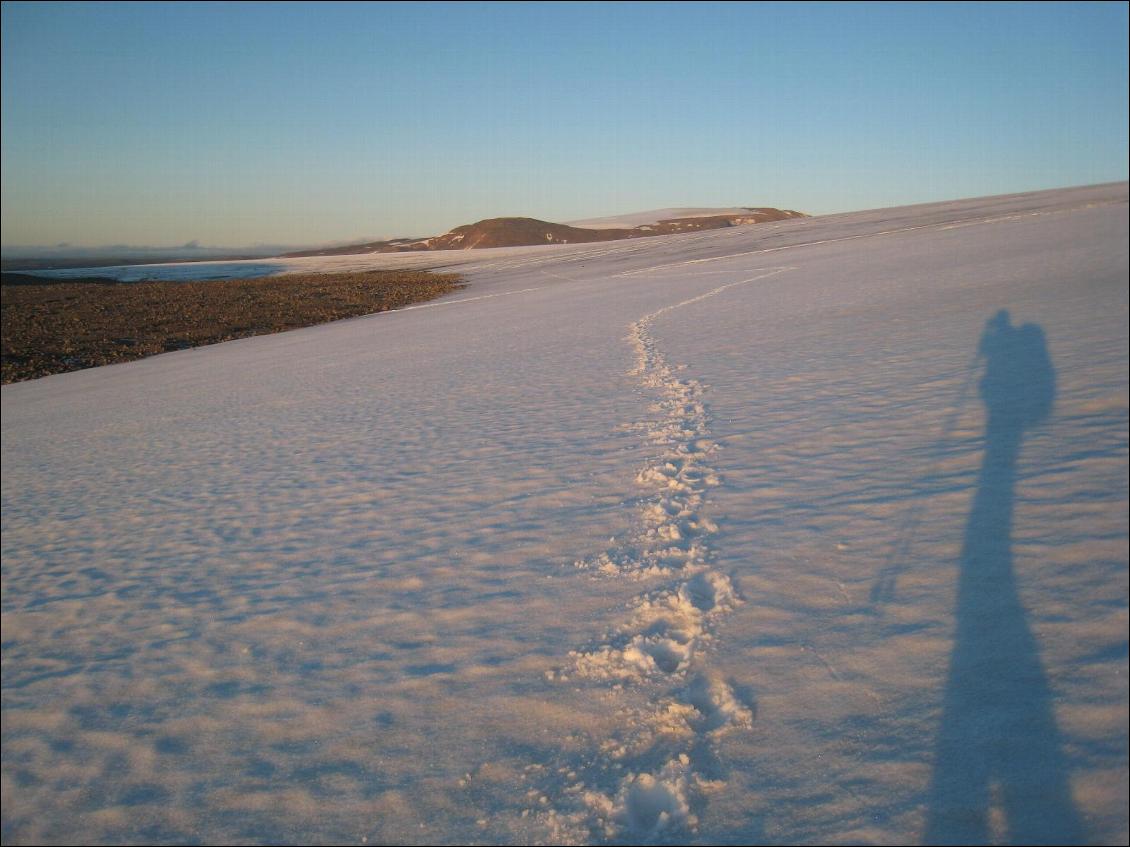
(811, 531)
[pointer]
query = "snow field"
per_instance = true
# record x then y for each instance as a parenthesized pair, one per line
(669, 626)
(657, 542)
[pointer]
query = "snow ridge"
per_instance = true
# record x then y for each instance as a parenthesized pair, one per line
(662, 639)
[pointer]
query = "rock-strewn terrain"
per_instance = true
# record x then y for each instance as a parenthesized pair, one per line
(53, 326)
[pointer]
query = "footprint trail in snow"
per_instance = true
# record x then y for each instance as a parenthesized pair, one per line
(644, 782)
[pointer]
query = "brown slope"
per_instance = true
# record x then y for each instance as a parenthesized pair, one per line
(520, 232)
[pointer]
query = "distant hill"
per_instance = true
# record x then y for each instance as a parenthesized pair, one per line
(523, 232)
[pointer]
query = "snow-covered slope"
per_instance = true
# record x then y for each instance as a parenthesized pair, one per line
(758, 535)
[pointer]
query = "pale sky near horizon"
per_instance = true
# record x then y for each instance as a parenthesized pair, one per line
(240, 124)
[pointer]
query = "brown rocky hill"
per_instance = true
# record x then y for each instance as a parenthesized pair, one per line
(520, 232)
(523, 232)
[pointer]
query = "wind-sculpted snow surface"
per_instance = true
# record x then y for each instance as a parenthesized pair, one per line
(808, 532)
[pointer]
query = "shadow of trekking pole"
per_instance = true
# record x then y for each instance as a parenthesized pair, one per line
(886, 582)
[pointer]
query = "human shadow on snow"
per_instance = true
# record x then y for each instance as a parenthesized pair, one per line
(998, 748)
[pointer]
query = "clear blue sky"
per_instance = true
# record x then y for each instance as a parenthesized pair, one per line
(238, 124)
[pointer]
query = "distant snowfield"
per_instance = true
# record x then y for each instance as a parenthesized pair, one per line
(755, 535)
(654, 216)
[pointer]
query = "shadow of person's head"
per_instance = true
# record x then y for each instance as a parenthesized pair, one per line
(1018, 386)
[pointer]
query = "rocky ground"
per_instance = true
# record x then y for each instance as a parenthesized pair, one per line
(52, 326)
